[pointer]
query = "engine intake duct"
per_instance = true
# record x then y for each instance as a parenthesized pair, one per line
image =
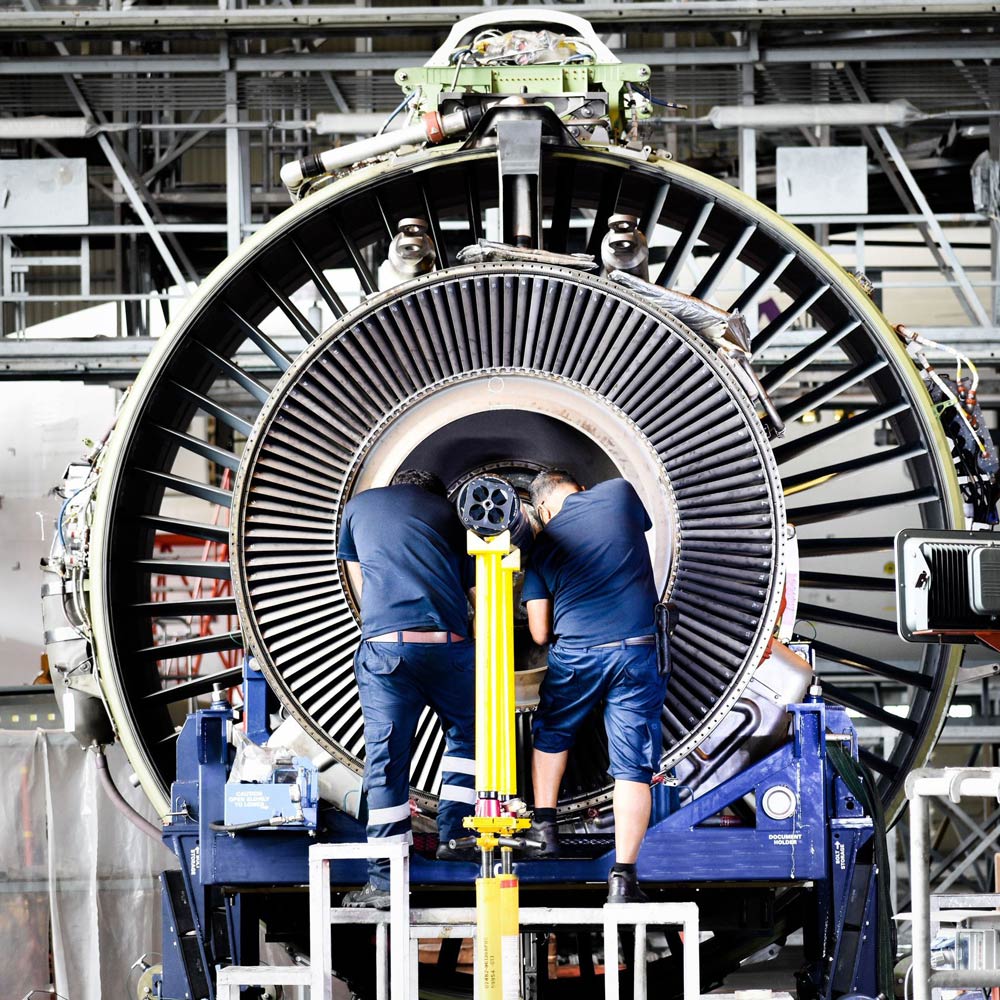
(502, 369)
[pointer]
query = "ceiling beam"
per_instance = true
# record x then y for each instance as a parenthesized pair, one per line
(423, 19)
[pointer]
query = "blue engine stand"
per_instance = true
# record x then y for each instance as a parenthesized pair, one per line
(811, 832)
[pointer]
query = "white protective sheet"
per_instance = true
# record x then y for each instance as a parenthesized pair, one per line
(74, 873)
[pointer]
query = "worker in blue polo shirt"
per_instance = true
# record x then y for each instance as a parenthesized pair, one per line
(414, 652)
(589, 590)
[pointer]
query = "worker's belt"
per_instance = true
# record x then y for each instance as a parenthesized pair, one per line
(413, 635)
(637, 640)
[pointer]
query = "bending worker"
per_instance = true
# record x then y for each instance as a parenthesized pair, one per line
(414, 652)
(591, 562)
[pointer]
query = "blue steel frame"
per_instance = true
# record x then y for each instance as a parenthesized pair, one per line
(820, 843)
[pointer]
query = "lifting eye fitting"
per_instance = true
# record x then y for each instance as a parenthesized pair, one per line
(490, 508)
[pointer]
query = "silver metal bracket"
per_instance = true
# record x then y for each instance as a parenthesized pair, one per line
(519, 157)
(968, 674)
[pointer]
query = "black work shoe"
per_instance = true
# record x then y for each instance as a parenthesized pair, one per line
(370, 897)
(623, 887)
(465, 852)
(548, 834)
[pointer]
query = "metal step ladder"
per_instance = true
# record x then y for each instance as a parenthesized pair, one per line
(399, 929)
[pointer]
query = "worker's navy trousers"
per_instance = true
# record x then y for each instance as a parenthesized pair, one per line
(396, 682)
(625, 678)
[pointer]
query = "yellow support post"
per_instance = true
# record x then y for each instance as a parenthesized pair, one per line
(496, 564)
(510, 927)
(498, 960)
(489, 955)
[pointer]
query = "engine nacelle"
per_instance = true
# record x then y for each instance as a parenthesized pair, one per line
(524, 358)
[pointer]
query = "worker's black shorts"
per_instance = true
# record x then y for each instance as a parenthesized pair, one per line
(626, 679)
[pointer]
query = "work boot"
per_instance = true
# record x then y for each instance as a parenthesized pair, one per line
(547, 833)
(623, 887)
(462, 852)
(369, 896)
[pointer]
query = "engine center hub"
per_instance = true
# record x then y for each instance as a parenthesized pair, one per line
(511, 367)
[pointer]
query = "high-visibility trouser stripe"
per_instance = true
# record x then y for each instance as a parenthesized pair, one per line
(456, 793)
(389, 814)
(389, 822)
(458, 765)
(396, 838)
(458, 773)
(383, 831)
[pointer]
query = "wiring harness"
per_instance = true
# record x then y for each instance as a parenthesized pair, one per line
(962, 418)
(494, 47)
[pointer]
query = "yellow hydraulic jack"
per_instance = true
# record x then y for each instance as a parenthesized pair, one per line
(489, 506)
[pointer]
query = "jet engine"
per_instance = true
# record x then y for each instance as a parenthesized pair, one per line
(439, 297)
